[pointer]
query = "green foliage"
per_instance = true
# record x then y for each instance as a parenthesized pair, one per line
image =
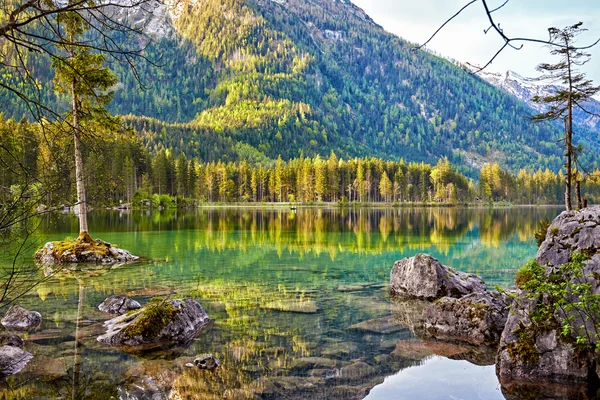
(566, 292)
(121, 170)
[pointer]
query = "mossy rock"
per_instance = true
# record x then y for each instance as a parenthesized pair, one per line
(84, 249)
(159, 322)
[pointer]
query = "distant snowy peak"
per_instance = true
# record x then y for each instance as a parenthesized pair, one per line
(525, 89)
(522, 88)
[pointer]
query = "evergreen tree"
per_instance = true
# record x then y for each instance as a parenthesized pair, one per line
(81, 75)
(575, 90)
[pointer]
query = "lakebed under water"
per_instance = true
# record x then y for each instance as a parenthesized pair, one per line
(299, 300)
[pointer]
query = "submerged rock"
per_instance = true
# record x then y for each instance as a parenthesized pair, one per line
(206, 361)
(411, 314)
(10, 339)
(169, 321)
(293, 306)
(340, 349)
(315, 362)
(477, 318)
(84, 249)
(424, 277)
(539, 339)
(357, 370)
(118, 304)
(12, 360)
(19, 318)
(383, 325)
(144, 389)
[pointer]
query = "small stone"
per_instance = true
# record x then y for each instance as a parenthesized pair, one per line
(118, 304)
(207, 361)
(357, 370)
(19, 318)
(187, 319)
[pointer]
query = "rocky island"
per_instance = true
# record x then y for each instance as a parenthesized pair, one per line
(84, 249)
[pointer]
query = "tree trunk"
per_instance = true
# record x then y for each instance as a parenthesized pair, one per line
(578, 194)
(569, 134)
(568, 176)
(81, 197)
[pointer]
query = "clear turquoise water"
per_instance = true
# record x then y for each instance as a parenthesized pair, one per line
(251, 269)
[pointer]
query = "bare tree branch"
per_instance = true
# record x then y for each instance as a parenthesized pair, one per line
(495, 26)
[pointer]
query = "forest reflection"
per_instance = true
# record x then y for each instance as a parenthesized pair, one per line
(325, 230)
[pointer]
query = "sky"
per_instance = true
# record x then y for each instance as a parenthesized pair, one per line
(463, 39)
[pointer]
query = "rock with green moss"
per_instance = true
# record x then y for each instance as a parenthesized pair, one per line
(553, 330)
(478, 318)
(159, 322)
(84, 249)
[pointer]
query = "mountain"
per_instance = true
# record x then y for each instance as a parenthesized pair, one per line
(525, 89)
(255, 79)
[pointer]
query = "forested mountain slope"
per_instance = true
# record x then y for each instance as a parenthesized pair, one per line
(254, 79)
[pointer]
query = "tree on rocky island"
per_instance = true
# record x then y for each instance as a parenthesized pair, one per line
(574, 90)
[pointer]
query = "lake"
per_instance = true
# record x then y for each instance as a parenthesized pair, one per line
(299, 301)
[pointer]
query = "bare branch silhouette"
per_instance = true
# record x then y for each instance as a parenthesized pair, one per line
(515, 43)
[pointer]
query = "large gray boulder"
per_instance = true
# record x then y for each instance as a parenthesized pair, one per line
(20, 319)
(158, 323)
(12, 360)
(118, 304)
(424, 277)
(569, 232)
(544, 351)
(477, 318)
